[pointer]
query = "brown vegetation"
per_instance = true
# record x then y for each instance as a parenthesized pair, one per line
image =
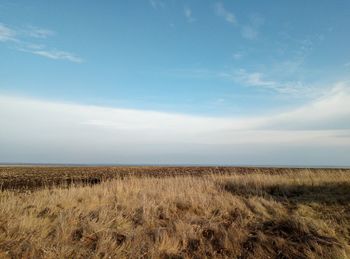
(30, 178)
(232, 213)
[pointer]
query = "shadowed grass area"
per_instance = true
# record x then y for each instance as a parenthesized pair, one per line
(290, 214)
(328, 193)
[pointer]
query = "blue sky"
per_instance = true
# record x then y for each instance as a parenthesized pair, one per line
(267, 70)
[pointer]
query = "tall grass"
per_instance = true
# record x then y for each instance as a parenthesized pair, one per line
(303, 214)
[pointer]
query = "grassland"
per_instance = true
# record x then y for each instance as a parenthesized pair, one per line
(188, 212)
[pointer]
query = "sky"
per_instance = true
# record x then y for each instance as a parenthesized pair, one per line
(175, 82)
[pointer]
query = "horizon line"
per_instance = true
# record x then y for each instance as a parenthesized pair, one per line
(20, 164)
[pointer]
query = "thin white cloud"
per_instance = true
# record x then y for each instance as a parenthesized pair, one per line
(253, 79)
(227, 15)
(251, 30)
(25, 40)
(238, 55)
(36, 32)
(260, 80)
(188, 14)
(156, 3)
(6, 33)
(44, 131)
(257, 79)
(53, 54)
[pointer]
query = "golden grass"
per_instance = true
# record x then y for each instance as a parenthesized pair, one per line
(303, 214)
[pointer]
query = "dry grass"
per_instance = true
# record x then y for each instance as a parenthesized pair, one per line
(30, 178)
(284, 214)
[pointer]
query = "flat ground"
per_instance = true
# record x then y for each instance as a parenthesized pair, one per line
(174, 212)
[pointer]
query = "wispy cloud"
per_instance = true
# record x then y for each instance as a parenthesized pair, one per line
(156, 3)
(253, 79)
(251, 29)
(26, 40)
(238, 55)
(256, 79)
(262, 81)
(36, 32)
(7, 34)
(227, 15)
(188, 14)
(249, 32)
(52, 54)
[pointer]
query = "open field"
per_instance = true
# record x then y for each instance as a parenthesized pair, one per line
(187, 212)
(36, 177)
